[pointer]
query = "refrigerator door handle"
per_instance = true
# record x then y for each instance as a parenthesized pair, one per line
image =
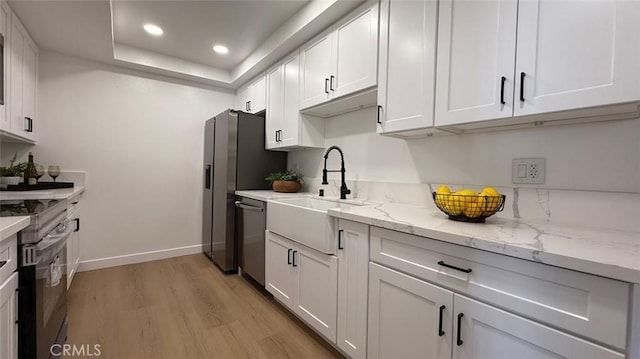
(250, 208)
(207, 177)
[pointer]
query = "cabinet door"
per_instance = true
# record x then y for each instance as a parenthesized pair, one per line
(488, 332)
(316, 70)
(355, 54)
(29, 78)
(275, 106)
(16, 78)
(407, 73)
(242, 98)
(476, 49)
(280, 275)
(316, 299)
(8, 317)
(290, 125)
(577, 54)
(258, 95)
(353, 284)
(405, 317)
(5, 19)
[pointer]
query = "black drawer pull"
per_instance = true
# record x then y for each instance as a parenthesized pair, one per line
(289, 256)
(77, 224)
(326, 84)
(442, 263)
(459, 339)
(522, 75)
(293, 262)
(503, 79)
(331, 83)
(440, 331)
(340, 239)
(379, 108)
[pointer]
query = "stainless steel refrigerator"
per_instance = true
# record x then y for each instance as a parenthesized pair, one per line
(234, 159)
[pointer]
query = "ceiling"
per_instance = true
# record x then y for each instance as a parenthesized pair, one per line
(257, 33)
(191, 28)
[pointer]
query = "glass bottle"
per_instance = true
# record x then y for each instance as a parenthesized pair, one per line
(30, 173)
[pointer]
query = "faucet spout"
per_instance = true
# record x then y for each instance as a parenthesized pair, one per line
(344, 190)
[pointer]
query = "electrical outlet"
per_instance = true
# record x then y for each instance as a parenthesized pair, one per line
(528, 170)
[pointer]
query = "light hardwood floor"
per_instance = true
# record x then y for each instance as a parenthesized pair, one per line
(183, 308)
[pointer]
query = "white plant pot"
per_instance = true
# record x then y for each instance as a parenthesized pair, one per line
(10, 180)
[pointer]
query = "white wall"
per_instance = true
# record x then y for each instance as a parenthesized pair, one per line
(140, 139)
(598, 156)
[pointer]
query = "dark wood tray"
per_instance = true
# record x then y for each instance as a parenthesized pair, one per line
(38, 186)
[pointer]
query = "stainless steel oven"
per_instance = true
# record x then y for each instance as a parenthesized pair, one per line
(42, 275)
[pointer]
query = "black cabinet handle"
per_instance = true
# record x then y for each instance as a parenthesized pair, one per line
(440, 331)
(379, 108)
(77, 220)
(459, 339)
(442, 263)
(2, 263)
(326, 83)
(29, 124)
(340, 239)
(249, 103)
(246, 106)
(503, 79)
(331, 83)
(293, 262)
(522, 75)
(207, 177)
(289, 256)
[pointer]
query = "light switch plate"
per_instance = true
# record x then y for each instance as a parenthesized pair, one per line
(528, 170)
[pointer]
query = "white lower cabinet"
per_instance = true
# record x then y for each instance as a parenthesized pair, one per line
(353, 283)
(8, 317)
(483, 331)
(305, 281)
(411, 318)
(408, 317)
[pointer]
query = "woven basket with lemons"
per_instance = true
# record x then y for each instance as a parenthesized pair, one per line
(467, 205)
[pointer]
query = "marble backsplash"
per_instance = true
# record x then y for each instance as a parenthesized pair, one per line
(597, 209)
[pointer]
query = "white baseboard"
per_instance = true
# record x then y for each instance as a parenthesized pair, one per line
(107, 262)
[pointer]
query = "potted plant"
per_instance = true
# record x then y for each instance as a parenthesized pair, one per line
(12, 175)
(289, 181)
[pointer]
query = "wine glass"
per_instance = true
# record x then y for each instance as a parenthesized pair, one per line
(39, 171)
(54, 171)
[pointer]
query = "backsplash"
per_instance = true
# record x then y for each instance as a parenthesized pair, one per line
(610, 210)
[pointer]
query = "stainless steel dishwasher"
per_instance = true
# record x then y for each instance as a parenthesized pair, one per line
(251, 224)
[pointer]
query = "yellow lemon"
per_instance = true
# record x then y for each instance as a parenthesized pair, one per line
(442, 197)
(473, 210)
(489, 200)
(459, 201)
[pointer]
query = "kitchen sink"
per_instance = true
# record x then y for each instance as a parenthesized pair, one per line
(305, 220)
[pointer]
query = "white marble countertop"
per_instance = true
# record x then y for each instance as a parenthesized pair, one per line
(12, 225)
(265, 195)
(607, 253)
(62, 193)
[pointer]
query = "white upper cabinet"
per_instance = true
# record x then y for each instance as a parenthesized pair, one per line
(342, 60)
(406, 72)
(576, 54)
(285, 127)
(476, 55)
(5, 20)
(316, 70)
(252, 97)
(570, 55)
(23, 82)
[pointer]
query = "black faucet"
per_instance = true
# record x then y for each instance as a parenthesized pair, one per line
(344, 191)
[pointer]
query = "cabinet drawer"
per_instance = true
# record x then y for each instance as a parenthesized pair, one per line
(73, 203)
(8, 256)
(588, 305)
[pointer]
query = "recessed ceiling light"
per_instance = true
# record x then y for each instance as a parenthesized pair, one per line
(152, 29)
(221, 49)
